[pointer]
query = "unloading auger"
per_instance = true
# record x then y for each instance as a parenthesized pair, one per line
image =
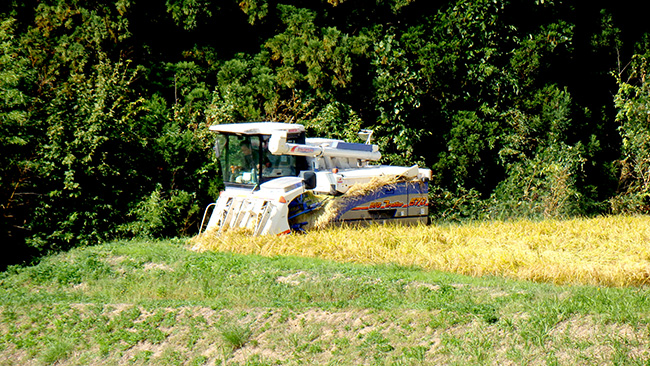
(277, 181)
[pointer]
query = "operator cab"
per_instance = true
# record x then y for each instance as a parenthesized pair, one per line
(245, 159)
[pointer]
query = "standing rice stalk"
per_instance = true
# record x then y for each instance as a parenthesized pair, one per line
(607, 251)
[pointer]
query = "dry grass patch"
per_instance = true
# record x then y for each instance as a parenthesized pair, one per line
(609, 251)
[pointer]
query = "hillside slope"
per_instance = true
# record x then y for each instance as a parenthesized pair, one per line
(143, 302)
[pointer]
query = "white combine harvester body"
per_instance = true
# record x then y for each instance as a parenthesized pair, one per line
(277, 181)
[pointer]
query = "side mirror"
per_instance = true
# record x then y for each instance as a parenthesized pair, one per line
(309, 179)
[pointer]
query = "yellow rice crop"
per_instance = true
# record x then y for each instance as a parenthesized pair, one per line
(607, 251)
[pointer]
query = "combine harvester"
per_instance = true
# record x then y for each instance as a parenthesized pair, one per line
(277, 182)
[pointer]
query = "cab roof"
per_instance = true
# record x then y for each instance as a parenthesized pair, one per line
(258, 128)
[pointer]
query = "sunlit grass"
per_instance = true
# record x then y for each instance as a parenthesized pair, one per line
(157, 303)
(608, 251)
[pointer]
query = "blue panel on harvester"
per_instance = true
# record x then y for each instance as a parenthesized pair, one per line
(352, 146)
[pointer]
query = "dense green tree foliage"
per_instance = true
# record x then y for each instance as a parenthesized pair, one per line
(632, 101)
(521, 107)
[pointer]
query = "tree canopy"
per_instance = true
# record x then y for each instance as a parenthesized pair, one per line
(522, 108)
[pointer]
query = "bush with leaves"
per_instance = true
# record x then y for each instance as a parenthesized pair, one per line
(89, 159)
(19, 137)
(543, 169)
(632, 101)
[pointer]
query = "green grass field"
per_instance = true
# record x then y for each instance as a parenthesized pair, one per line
(160, 303)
